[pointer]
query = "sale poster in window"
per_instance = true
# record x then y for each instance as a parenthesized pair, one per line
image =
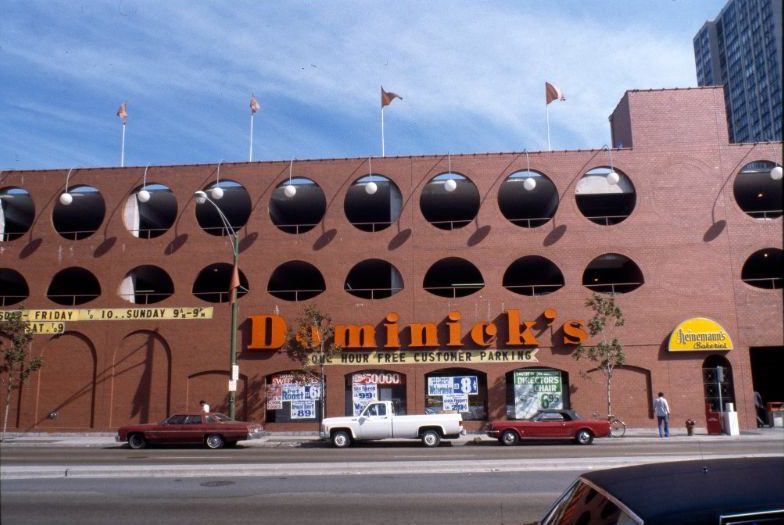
(535, 390)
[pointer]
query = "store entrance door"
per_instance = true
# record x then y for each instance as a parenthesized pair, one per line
(767, 362)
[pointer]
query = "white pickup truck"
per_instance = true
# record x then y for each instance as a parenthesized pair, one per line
(378, 421)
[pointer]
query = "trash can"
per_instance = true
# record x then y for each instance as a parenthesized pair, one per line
(775, 411)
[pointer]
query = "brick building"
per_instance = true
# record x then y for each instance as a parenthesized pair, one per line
(456, 280)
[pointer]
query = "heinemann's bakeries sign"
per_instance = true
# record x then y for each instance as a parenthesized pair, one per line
(699, 334)
(367, 345)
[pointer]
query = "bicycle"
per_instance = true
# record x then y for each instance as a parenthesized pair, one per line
(617, 426)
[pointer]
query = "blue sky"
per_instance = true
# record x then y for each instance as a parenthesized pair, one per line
(471, 75)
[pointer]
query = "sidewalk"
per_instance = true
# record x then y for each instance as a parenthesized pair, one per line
(290, 439)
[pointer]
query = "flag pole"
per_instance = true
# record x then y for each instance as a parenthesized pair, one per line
(382, 131)
(250, 155)
(547, 115)
(122, 148)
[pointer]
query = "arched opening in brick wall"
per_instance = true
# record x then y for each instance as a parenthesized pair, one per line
(530, 389)
(150, 210)
(373, 279)
(17, 212)
(234, 202)
(296, 281)
(146, 284)
(605, 196)
(367, 386)
(449, 201)
(297, 205)
(533, 275)
(757, 190)
(81, 215)
(373, 203)
(453, 277)
(528, 199)
(13, 287)
(213, 283)
(718, 382)
(764, 269)
(73, 286)
(612, 273)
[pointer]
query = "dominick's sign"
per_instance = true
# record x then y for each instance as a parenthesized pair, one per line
(268, 332)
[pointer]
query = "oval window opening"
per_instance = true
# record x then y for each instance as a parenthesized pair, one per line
(453, 277)
(73, 286)
(79, 212)
(373, 203)
(605, 196)
(533, 275)
(297, 205)
(13, 287)
(374, 279)
(146, 285)
(213, 284)
(758, 189)
(449, 201)
(17, 212)
(150, 210)
(612, 273)
(528, 199)
(764, 269)
(296, 281)
(234, 203)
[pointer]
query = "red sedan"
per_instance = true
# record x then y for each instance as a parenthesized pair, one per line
(549, 424)
(213, 430)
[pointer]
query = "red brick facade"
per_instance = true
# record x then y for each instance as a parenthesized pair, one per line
(687, 235)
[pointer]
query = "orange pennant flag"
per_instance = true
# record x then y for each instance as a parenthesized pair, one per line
(254, 105)
(552, 93)
(387, 97)
(122, 112)
(234, 284)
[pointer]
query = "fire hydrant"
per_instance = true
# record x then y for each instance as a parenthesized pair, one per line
(690, 426)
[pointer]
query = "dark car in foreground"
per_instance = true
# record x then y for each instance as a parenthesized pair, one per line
(728, 491)
(549, 424)
(213, 430)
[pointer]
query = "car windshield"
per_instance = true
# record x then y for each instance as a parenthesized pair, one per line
(583, 504)
(218, 418)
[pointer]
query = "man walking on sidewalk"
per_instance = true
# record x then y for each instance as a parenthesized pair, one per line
(662, 409)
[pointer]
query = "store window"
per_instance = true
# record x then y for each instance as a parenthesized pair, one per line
(375, 385)
(531, 389)
(293, 397)
(717, 381)
(457, 390)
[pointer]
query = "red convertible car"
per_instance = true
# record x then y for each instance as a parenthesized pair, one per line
(213, 430)
(549, 424)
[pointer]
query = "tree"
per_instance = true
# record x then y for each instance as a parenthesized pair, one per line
(16, 366)
(312, 345)
(608, 352)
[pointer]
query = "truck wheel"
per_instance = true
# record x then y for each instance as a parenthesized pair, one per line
(341, 439)
(584, 437)
(431, 438)
(137, 441)
(509, 438)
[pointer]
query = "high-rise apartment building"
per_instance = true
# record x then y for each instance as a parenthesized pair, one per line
(741, 50)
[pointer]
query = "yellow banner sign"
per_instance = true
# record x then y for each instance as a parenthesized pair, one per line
(46, 328)
(699, 334)
(416, 357)
(113, 314)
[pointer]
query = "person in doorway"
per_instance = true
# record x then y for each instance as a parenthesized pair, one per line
(759, 406)
(205, 407)
(662, 410)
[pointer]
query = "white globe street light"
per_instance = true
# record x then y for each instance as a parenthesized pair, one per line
(66, 198)
(200, 196)
(450, 185)
(613, 178)
(143, 196)
(371, 188)
(216, 193)
(289, 190)
(529, 184)
(776, 173)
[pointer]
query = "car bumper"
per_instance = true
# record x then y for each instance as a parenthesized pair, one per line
(256, 434)
(117, 438)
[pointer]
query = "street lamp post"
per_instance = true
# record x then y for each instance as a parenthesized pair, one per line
(201, 198)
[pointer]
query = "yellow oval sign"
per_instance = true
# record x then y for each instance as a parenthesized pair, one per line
(699, 334)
